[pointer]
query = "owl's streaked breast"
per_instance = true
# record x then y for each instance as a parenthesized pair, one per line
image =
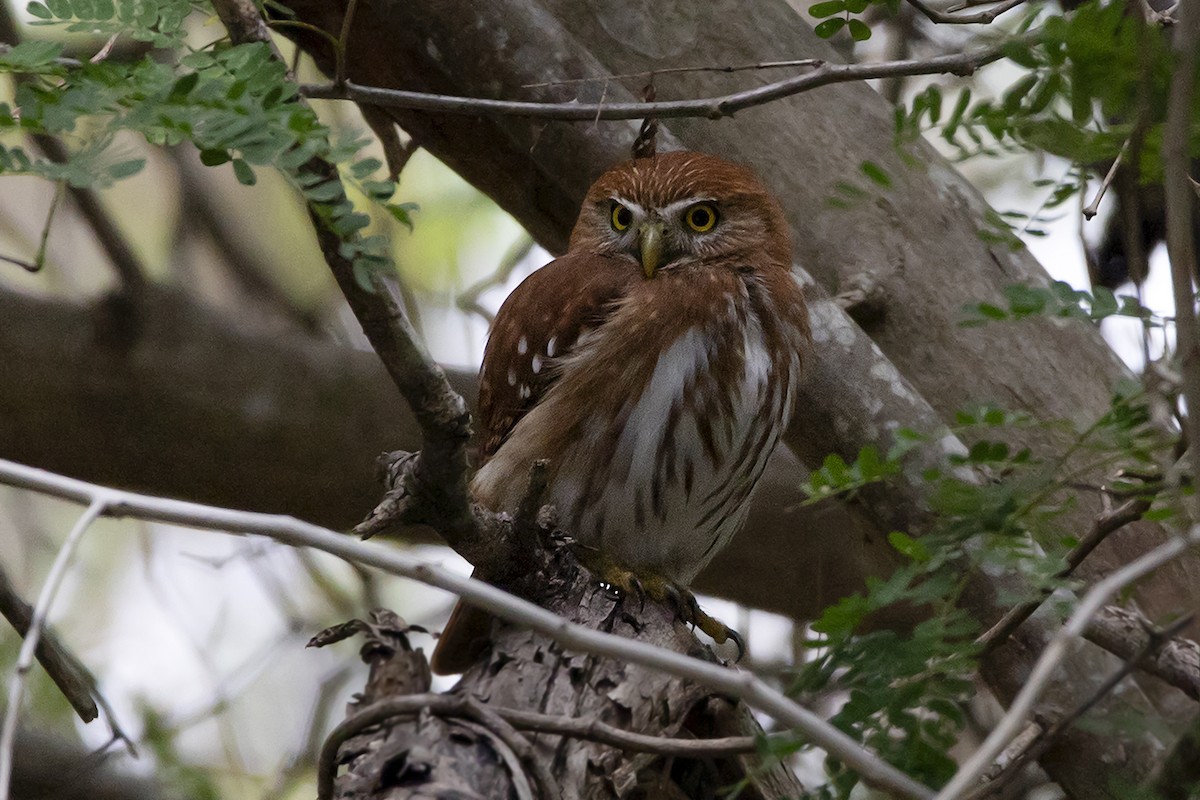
(660, 423)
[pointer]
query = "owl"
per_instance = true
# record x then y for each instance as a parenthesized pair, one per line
(654, 367)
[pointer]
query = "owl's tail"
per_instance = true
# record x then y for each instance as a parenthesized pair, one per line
(463, 640)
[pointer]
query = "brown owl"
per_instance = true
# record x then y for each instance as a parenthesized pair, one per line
(654, 366)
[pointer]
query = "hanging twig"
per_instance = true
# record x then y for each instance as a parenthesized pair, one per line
(1093, 207)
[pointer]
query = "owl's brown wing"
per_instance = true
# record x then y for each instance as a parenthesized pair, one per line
(537, 325)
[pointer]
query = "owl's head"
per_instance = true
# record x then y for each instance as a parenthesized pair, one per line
(676, 210)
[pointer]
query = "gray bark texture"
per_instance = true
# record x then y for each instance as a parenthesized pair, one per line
(918, 239)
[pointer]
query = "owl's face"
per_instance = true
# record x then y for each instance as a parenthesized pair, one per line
(677, 210)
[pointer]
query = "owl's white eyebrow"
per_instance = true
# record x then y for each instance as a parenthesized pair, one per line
(632, 206)
(671, 209)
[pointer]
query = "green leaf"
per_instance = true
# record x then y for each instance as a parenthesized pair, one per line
(183, 87)
(402, 213)
(1017, 92)
(875, 173)
(39, 10)
(325, 192)
(956, 116)
(908, 546)
(829, 27)
(857, 6)
(380, 190)
(364, 168)
(244, 173)
(123, 169)
(827, 8)
(214, 157)
(859, 31)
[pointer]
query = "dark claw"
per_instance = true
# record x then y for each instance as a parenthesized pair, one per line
(739, 641)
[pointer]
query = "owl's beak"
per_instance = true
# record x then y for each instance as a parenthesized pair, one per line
(650, 246)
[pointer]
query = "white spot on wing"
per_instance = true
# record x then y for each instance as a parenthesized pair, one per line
(512, 377)
(537, 365)
(551, 346)
(522, 345)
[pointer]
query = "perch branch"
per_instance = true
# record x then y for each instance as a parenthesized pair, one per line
(823, 74)
(293, 532)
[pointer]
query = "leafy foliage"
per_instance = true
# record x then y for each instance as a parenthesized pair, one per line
(1059, 299)
(234, 103)
(992, 507)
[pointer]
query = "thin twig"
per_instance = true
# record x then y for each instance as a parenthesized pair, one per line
(485, 715)
(339, 75)
(735, 684)
(468, 300)
(1093, 207)
(797, 62)
(950, 18)
(1114, 520)
(1057, 650)
(709, 107)
(41, 610)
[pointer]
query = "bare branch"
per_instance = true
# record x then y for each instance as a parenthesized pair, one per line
(654, 73)
(735, 684)
(1093, 207)
(823, 74)
(1053, 655)
(433, 489)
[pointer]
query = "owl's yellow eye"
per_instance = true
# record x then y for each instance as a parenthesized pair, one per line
(701, 217)
(622, 217)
